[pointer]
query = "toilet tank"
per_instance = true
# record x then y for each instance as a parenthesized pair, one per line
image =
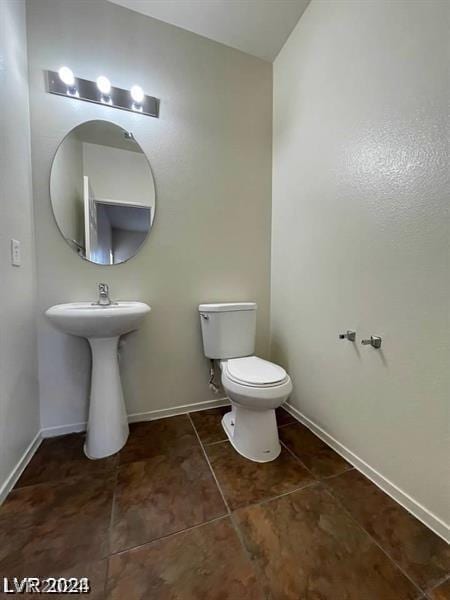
(228, 329)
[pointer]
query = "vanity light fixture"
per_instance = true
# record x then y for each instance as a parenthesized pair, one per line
(64, 83)
(137, 94)
(66, 76)
(104, 85)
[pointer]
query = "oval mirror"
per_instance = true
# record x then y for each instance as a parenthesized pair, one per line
(102, 192)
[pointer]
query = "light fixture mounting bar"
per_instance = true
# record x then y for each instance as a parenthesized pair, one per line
(88, 91)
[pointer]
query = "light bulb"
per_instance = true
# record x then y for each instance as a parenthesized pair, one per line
(66, 76)
(104, 85)
(137, 93)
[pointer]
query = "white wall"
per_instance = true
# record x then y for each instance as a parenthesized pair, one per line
(360, 233)
(210, 152)
(19, 402)
(105, 168)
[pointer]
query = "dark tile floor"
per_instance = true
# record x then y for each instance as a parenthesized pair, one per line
(179, 515)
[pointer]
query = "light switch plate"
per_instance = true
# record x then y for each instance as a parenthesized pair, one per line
(16, 255)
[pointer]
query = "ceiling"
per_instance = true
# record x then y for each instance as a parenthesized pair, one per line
(258, 27)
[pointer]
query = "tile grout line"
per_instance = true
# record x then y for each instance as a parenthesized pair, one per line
(272, 498)
(351, 467)
(436, 585)
(239, 533)
(291, 452)
(259, 573)
(214, 443)
(231, 511)
(264, 500)
(285, 424)
(385, 552)
(258, 569)
(422, 592)
(169, 535)
(111, 522)
(324, 480)
(338, 474)
(207, 444)
(209, 465)
(173, 533)
(237, 530)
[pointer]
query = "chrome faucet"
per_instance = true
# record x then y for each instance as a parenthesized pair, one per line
(103, 294)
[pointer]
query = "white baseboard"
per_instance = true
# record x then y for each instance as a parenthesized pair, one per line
(151, 415)
(13, 477)
(420, 512)
(177, 410)
(48, 432)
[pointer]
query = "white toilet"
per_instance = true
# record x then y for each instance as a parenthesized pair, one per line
(255, 386)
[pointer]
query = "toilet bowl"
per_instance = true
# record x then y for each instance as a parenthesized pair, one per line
(255, 387)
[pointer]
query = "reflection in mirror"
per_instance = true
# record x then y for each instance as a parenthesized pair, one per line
(102, 192)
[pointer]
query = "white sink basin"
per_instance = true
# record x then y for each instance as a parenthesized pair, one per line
(107, 426)
(90, 320)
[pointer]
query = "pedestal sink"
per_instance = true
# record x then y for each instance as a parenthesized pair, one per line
(107, 429)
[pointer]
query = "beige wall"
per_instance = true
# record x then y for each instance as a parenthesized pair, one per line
(19, 401)
(360, 234)
(210, 153)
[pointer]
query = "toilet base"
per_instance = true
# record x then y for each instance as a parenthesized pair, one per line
(253, 433)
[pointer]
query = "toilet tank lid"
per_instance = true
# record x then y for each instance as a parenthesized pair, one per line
(227, 306)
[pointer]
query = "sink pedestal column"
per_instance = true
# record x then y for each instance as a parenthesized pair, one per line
(107, 429)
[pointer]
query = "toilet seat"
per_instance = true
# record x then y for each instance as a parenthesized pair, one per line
(254, 372)
(260, 395)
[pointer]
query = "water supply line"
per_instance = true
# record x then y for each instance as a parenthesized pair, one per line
(212, 376)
